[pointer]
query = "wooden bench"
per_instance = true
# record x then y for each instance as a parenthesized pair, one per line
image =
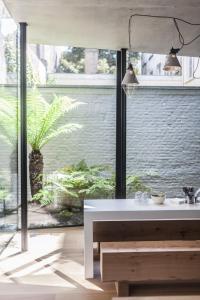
(149, 262)
(150, 230)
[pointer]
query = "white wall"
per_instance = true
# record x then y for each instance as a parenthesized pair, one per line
(110, 80)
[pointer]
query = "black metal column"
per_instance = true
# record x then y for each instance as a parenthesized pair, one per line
(120, 190)
(23, 137)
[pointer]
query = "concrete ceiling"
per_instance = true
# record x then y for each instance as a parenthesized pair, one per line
(104, 23)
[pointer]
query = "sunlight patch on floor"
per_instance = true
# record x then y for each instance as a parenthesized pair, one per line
(46, 280)
(53, 265)
(53, 269)
(75, 271)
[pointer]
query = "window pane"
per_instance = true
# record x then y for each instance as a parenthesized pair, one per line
(71, 132)
(8, 127)
(163, 139)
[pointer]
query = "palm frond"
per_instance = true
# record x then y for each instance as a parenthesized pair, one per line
(66, 129)
(6, 139)
(42, 117)
(37, 106)
(55, 110)
(8, 117)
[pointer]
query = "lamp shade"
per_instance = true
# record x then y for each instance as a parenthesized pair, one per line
(172, 63)
(129, 81)
(130, 77)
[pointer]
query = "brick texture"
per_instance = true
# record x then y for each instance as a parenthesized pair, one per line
(163, 138)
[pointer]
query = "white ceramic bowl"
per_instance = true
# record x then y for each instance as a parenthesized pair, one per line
(158, 199)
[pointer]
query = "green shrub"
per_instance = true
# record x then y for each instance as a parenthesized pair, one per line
(135, 184)
(80, 181)
(63, 214)
(3, 188)
(3, 194)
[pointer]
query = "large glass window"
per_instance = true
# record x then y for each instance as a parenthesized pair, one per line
(8, 127)
(163, 139)
(71, 131)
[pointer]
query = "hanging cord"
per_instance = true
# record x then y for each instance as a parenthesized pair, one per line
(175, 20)
(180, 36)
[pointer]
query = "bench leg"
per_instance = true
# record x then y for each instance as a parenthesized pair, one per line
(122, 288)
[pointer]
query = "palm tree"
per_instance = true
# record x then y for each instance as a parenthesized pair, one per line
(8, 133)
(8, 118)
(42, 126)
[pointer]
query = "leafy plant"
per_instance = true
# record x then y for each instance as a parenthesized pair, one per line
(135, 184)
(3, 188)
(42, 127)
(110, 57)
(104, 67)
(63, 214)
(33, 78)
(11, 61)
(81, 181)
(42, 124)
(72, 61)
(8, 117)
(10, 54)
(66, 66)
(3, 194)
(43, 118)
(45, 196)
(78, 182)
(88, 181)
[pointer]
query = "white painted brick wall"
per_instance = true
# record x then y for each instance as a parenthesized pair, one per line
(163, 134)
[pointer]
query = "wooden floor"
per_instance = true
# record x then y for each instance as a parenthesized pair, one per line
(53, 269)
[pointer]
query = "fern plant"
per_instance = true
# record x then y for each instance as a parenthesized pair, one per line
(82, 181)
(42, 126)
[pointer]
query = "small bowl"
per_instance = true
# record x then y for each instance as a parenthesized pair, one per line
(158, 198)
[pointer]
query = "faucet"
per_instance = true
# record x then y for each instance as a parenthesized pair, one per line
(190, 195)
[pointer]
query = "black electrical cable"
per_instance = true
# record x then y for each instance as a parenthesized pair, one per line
(181, 38)
(180, 35)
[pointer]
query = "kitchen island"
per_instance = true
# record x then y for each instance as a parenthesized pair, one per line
(129, 210)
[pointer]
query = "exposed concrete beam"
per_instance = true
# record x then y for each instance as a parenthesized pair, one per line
(104, 24)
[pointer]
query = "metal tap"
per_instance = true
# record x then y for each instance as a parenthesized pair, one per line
(191, 197)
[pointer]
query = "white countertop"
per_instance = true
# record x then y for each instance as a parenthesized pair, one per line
(132, 204)
(170, 209)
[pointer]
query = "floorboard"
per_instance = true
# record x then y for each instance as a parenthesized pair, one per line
(53, 269)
